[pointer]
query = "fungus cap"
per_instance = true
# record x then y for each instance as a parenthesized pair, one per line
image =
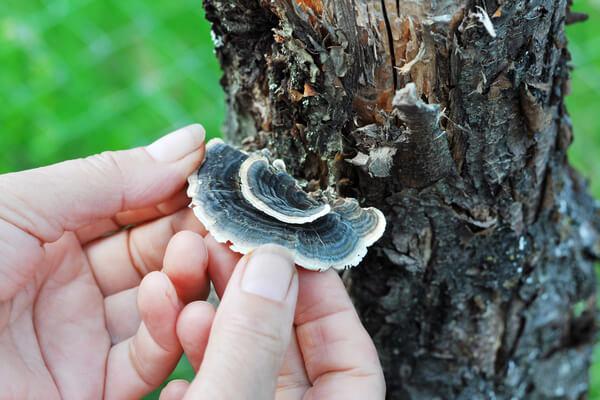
(276, 193)
(244, 200)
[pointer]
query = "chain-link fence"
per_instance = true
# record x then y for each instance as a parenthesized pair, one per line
(79, 76)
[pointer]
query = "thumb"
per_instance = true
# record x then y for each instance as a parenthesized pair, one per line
(47, 201)
(251, 330)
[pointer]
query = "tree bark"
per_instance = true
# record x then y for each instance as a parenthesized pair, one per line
(447, 115)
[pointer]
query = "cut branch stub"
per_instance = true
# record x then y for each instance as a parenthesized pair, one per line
(425, 157)
(242, 199)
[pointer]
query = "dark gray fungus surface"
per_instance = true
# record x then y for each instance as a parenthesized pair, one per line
(244, 200)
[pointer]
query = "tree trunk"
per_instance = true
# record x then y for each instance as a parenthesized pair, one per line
(447, 115)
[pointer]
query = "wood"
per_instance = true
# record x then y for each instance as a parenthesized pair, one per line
(448, 115)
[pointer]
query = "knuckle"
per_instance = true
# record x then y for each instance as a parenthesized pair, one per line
(104, 168)
(108, 161)
(265, 335)
(136, 255)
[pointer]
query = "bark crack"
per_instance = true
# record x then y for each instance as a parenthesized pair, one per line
(388, 29)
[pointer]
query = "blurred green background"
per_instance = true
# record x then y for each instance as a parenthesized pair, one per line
(78, 77)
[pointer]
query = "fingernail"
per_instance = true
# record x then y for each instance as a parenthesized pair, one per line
(178, 144)
(269, 272)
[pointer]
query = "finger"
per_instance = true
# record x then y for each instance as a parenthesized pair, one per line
(174, 390)
(193, 329)
(221, 263)
(251, 329)
(140, 364)
(97, 229)
(121, 260)
(292, 381)
(185, 263)
(79, 191)
(337, 350)
(132, 217)
(122, 315)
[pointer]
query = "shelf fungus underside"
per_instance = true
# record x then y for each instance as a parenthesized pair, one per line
(244, 200)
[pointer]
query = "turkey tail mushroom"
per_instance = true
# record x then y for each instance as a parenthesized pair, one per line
(243, 199)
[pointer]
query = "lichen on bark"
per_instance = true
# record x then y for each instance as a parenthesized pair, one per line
(448, 115)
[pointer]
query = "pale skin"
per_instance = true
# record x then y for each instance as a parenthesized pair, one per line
(90, 309)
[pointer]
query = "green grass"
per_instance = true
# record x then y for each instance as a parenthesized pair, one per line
(79, 77)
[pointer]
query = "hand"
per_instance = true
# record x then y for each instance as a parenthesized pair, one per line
(279, 333)
(69, 325)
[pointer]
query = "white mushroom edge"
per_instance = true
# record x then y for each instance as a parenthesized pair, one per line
(262, 206)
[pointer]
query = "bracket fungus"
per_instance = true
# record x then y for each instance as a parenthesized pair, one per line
(245, 200)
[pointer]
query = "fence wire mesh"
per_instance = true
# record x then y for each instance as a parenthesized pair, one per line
(80, 76)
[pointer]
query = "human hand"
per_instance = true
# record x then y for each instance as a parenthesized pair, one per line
(279, 333)
(69, 325)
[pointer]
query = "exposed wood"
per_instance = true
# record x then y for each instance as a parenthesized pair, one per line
(448, 115)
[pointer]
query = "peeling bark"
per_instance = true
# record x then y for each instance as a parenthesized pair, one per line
(448, 115)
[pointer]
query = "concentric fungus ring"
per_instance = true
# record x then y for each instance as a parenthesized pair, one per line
(244, 200)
